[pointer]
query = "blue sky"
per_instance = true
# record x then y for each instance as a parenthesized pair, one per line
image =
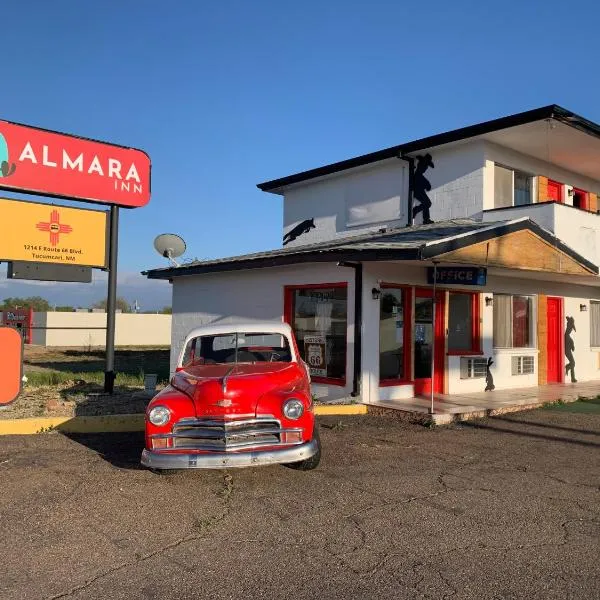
(224, 95)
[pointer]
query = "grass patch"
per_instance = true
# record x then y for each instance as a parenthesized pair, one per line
(51, 378)
(583, 405)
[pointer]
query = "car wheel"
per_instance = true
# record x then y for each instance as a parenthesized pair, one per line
(313, 462)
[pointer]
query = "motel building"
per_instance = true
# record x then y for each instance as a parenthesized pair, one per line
(450, 264)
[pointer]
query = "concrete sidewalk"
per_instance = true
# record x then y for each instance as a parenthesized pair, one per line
(463, 407)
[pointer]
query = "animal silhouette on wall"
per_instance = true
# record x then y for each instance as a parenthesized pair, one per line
(569, 348)
(489, 378)
(421, 186)
(299, 230)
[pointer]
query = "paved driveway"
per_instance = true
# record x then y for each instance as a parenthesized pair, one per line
(506, 508)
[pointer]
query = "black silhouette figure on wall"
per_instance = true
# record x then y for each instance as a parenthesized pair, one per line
(299, 230)
(569, 348)
(489, 378)
(421, 186)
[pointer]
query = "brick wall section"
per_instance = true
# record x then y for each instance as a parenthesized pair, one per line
(542, 188)
(542, 339)
(593, 202)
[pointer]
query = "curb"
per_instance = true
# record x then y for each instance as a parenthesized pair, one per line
(125, 422)
(91, 424)
(340, 409)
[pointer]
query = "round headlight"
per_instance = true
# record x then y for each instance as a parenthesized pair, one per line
(159, 415)
(293, 409)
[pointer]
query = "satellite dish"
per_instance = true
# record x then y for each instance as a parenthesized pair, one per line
(170, 246)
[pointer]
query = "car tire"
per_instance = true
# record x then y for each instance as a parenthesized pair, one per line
(163, 471)
(313, 462)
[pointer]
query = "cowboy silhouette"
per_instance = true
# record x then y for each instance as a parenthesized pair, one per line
(421, 186)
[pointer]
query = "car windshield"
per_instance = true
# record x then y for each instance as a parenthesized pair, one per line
(237, 347)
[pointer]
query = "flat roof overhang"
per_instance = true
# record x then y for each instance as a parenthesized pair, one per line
(551, 134)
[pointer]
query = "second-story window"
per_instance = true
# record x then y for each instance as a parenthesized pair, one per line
(511, 187)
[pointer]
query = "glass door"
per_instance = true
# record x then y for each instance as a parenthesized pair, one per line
(423, 349)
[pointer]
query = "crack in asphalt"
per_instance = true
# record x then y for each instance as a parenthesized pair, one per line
(205, 525)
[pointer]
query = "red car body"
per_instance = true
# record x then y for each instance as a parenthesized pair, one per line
(229, 403)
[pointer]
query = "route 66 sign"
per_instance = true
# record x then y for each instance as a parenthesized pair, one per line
(314, 350)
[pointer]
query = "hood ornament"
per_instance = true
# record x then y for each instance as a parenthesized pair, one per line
(224, 381)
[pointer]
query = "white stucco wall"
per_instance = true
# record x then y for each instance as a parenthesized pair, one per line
(350, 202)
(366, 199)
(256, 294)
(456, 181)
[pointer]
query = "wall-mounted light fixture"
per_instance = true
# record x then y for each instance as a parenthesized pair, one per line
(583, 307)
(376, 293)
(489, 301)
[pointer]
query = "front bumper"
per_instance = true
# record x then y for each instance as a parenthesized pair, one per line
(220, 460)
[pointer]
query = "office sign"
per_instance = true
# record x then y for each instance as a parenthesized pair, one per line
(46, 233)
(11, 364)
(38, 161)
(458, 276)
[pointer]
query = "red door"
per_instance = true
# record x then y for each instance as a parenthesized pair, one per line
(423, 347)
(555, 341)
(555, 191)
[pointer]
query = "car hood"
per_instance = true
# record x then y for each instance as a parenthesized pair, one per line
(232, 389)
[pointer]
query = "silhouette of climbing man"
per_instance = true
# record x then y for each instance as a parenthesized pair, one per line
(569, 348)
(421, 186)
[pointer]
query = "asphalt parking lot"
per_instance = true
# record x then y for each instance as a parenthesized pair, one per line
(504, 508)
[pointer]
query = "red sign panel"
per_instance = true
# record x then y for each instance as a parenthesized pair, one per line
(55, 164)
(11, 364)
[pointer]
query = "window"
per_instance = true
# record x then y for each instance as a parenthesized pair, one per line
(513, 321)
(522, 365)
(318, 315)
(236, 347)
(522, 188)
(394, 326)
(511, 187)
(463, 323)
(594, 324)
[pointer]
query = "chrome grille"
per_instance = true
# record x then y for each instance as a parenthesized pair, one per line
(224, 435)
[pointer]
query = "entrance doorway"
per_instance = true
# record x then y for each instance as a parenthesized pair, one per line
(425, 330)
(555, 341)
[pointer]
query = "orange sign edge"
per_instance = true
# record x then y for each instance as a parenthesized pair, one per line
(21, 372)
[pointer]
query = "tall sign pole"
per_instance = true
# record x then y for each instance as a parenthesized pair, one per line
(111, 303)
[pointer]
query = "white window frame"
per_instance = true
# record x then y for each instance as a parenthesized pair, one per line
(593, 346)
(532, 325)
(532, 178)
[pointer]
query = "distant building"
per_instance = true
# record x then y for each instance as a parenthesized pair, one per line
(86, 328)
(21, 319)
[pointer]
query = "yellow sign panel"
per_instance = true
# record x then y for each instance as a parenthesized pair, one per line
(52, 234)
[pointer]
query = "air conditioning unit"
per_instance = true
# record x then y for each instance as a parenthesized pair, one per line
(522, 365)
(473, 367)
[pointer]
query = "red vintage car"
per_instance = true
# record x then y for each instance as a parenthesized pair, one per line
(240, 397)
